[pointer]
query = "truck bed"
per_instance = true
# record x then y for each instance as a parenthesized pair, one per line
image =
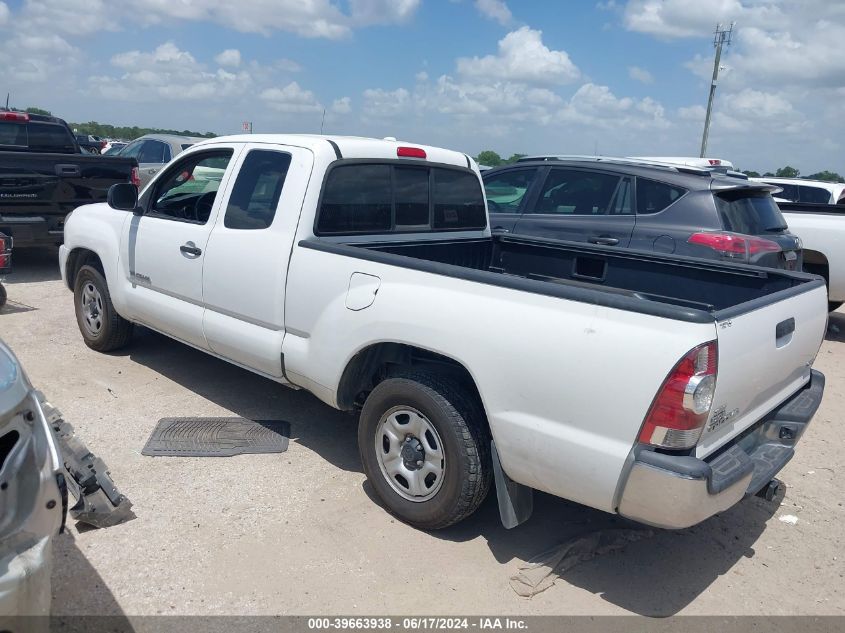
(676, 287)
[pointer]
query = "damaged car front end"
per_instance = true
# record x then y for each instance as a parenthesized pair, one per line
(33, 494)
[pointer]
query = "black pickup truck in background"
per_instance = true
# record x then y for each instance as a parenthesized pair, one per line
(44, 176)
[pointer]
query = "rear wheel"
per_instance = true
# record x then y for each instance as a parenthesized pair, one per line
(102, 328)
(425, 449)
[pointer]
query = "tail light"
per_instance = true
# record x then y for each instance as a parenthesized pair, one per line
(682, 405)
(714, 162)
(733, 245)
(18, 117)
(5, 253)
(410, 152)
(135, 179)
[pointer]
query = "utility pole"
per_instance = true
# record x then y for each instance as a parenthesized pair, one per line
(722, 37)
(323, 122)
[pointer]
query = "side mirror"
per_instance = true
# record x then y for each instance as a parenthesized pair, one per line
(123, 196)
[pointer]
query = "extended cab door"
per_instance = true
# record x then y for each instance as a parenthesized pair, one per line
(162, 251)
(246, 263)
(583, 206)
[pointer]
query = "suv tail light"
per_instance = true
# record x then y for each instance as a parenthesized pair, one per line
(733, 245)
(682, 405)
(135, 179)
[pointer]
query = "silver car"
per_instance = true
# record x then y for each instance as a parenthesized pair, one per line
(154, 151)
(32, 495)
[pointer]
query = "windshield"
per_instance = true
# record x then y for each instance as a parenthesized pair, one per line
(749, 212)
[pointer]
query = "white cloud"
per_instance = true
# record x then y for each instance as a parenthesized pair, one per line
(386, 103)
(524, 58)
(292, 98)
(421, 76)
(495, 10)
(4, 13)
(229, 57)
(342, 105)
(287, 65)
(640, 74)
(168, 73)
(596, 106)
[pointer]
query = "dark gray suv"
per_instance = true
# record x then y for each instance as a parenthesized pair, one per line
(631, 204)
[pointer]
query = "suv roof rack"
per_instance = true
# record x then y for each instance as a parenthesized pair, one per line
(683, 169)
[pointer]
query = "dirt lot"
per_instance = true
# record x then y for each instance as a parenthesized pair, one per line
(298, 533)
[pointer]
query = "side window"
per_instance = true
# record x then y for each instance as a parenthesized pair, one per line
(189, 188)
(790, 192)
(576, 192)
(814, 194)
(152, 152)
(622, 203)
(132, 150)
(506, 191)
(653, 196)
(356, 199)
(458, 201)
(257, 190)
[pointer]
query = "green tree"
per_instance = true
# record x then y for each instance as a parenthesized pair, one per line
(34, 110)
(129, 133)
(489, 157)
(768, 174)
(752, 174)
(787, 172)
(514, 158)
(827, 176)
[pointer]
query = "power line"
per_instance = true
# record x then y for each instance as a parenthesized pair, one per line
(721, 38)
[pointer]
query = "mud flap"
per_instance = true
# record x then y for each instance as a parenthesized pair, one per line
(98, 501)
(516, 502)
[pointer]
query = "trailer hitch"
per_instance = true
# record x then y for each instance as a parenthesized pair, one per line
(98, 501)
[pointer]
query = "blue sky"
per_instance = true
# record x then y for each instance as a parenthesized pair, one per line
(625, 77)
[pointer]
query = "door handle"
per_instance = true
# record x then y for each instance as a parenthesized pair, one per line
(190, 249)
(68, 171)
(152, 171)
(603, 240)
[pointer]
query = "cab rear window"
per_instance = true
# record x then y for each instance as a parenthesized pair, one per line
(37, 136)
(399, 198)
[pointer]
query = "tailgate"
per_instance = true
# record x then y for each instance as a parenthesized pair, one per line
(765, 356)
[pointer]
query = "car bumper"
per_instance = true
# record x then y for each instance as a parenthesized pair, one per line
(33, 230)
(25, 588)
(671, 491)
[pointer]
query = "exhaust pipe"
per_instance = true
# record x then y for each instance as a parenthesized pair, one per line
(770, 490)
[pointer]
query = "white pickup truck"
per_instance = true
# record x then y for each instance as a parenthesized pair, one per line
(661, 388)
(821, 228)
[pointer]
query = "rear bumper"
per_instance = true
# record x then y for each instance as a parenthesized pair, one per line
(33, 230)
(670, 491)
(25, 588)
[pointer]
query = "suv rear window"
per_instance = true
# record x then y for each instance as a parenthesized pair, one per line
(749, 213)
(813, 194)
(394, 198)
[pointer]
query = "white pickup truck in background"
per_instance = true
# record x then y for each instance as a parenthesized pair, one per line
(661, 388)
(821, 228)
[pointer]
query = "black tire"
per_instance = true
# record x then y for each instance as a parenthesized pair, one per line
(3, 295)
(114, 330)
(833, 305)
(459, 421)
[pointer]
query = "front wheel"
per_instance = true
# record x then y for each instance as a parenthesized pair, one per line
(102, 328)
(426, 449)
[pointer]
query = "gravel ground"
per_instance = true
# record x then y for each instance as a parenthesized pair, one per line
(299, 532)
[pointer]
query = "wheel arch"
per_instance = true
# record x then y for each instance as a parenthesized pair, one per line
(378, 361)
(79, 257)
